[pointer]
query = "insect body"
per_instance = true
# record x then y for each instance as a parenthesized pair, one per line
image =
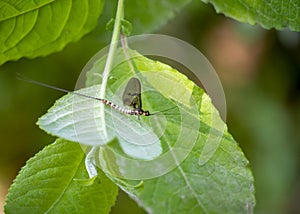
(131, 96)
(135, 111)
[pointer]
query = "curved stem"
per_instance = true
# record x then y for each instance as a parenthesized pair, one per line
(111, 52)
(90, 167)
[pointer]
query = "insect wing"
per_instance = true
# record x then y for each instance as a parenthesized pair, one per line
(132, 94)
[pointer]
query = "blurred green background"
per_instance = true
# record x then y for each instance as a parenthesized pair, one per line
(260, 72)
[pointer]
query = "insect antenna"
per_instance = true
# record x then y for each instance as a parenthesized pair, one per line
(26, 79)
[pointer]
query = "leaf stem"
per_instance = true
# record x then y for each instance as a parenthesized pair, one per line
(91, 169)
(110, 56)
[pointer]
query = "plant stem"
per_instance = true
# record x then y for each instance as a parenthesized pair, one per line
(90, 167)
(125, 48)
(110, 56)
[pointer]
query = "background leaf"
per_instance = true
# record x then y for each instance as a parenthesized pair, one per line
(71, 19)
(270, 14)
(31, 29)
(151, 13)
(145, 15)
(50, 182)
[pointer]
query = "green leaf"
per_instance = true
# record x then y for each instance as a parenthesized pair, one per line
(110, 24)
(49, 184)
(201, 168)
(269, 14)
(79, 119)
(223, 184)
(145, 15)
(215, 176)
(38, 28)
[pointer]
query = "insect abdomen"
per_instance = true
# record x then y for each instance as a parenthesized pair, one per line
(119, 108)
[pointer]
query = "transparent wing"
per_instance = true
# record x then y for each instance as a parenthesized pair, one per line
(132, 94)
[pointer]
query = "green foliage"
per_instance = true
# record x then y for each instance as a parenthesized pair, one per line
(38, 28)
(220, 181)
(50, 183)
(223, 185)
(80, 113)
(125, 25)
(43, 27)
(269, 14)
(213, 178)
(148, 15)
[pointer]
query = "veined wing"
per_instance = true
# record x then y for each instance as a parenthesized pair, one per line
(132, 94)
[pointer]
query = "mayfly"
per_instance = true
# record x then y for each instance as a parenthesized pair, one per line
(131, 96)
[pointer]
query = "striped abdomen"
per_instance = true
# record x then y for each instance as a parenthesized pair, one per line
(125, 111)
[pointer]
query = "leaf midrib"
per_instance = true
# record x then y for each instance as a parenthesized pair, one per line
(184, 175)
(66, 187)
